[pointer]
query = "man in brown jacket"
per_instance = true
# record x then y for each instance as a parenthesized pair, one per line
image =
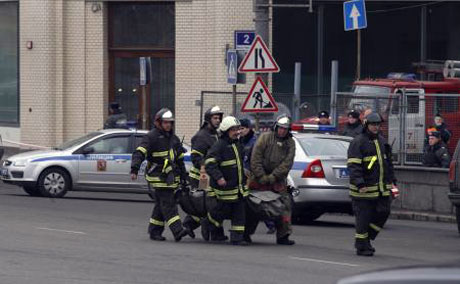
(272, 159)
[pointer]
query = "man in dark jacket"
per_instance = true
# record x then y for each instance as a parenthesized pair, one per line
(323, 118)
(248, 139)
(441, 127)
(224, 164)
(201, 142)
(371, 181)
(354, 127)
(165, 155)
(436, 153)
(116, 119)
(272, 159)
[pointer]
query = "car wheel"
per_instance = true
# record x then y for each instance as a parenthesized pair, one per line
(54, 182)
(457, 210)
(32, 190)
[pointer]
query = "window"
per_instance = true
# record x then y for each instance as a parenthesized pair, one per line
(413, 105)
(324, 146)
(111, 145)
(445, 104)
(9, 95)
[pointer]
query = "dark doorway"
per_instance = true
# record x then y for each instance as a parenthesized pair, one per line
(142, 30)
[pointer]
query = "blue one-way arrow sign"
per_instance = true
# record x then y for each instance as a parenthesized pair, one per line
(354, 15)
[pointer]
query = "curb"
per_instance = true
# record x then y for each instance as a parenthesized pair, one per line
(422, 216)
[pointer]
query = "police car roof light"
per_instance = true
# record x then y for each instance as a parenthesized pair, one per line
(402, 76)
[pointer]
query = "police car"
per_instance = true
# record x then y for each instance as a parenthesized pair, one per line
(319, 177)
(100, 161)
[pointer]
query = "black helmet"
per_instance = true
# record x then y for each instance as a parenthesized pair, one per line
(353, 113)
(373, 117)
(164, 114)
(283, 121)
(213, 111)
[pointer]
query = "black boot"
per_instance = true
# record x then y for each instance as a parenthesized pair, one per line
(182, 234)
(217, 235)
(362, 247)
(190, 231)
(205, 230)
(156, 237)
(285, 241)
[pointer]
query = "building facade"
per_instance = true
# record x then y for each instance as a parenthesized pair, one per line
(63, 61)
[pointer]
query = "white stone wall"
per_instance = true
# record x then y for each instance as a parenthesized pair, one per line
(63, 79)
(203, 28)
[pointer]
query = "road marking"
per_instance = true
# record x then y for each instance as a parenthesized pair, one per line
(324, 261)
(62, 231)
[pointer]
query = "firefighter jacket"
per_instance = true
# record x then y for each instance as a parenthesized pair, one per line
(272, 156)
(353, 130)
(370, 166)
(225, 160)
(436, 156)
(165, 156)
(201, 142)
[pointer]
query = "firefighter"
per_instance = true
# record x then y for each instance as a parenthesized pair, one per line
(371, 182)
(201, 142)
(354, 126)
(272, 159)
(165, 155)
(224, 164)
(436, 153)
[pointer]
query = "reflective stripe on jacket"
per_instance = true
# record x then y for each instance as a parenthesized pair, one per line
(225, 160)
(370, 165)
(165, 156)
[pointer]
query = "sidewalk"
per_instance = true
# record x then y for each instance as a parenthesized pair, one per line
(421, 216)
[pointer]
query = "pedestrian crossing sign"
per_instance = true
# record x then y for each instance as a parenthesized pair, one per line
(259, 99)
(259, 59)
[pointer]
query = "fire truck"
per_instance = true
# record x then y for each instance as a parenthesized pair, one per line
(421, 107)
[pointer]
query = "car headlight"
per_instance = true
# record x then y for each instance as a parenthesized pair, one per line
(20, 163)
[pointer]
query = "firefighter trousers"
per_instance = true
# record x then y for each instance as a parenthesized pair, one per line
(165, 212)
(370, 216)
(235, 211)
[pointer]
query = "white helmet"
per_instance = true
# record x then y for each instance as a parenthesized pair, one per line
(228, 122)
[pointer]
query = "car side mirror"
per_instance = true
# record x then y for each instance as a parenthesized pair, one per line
(87, 150)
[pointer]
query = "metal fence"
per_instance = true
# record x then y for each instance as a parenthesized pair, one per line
(407, 114)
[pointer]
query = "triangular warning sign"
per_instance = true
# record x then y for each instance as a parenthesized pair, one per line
(259, 59)
(259, 99)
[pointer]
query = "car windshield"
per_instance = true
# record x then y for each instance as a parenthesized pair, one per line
(324, 146)
(78, 141)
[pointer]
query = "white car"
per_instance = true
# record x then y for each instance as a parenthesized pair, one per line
(98, 161)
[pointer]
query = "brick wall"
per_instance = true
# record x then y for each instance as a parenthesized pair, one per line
(63, 79)
(203, 28)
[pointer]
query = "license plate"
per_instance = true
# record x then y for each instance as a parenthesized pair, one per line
(4, 173)
(343, 173)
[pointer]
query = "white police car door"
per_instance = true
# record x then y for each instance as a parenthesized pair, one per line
(108, 163)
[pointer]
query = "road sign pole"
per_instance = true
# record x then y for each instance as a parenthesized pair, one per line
(358, 55)
(234, 100)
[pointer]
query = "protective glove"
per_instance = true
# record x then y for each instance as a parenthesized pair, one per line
(271, 179)
(264, 179)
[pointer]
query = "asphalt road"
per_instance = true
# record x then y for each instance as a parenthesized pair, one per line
(101, 238)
